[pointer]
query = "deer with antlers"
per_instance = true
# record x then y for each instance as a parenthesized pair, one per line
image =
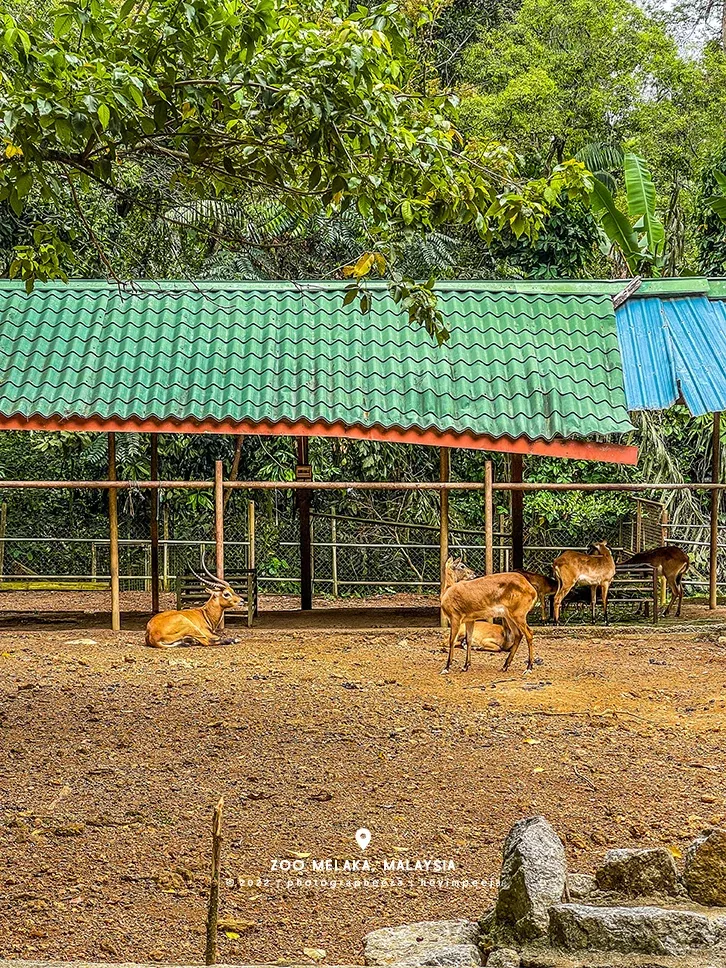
(673, 562)
(466, 600)
(195, 626)
(575, 568)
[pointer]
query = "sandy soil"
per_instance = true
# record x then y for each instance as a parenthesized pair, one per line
(112, 756)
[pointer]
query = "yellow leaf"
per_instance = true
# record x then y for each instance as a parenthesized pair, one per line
(675, 851)
(12, 151)
(232, 935)
(532, 742)
(538, 769)
(298, 854)
(317, 954)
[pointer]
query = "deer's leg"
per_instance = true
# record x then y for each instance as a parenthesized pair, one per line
(680, 592)
(530, 646)
(673, 589)
(469, 640)
(454, 623)
(605, 589)
(516, 632)
(543, 606)
(593, 601)
(562, 590)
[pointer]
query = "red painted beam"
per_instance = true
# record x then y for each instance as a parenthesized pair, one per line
(576, 449)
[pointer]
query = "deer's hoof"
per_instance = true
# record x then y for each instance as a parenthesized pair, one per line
(445, 671)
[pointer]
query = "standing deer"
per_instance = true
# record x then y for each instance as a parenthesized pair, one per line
(543, 585)
(508, 596)
(575, 568)
(195, 626)
(673, 562)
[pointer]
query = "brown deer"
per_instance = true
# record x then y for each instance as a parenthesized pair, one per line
(543, 585)
(575, 568)
(195, 626)
(507, 596)
(674, 563)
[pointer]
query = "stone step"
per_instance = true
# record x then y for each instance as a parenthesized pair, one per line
(643, 930)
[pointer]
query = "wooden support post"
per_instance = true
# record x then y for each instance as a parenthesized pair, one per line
(715, 478)
(303, 511)
(210, 953)
(444, 477)
(155, 525)
(517, 513)
(251, 557)
(219, 524)
(489, 517)
(3, 532)
(165, 516)
(334, 550)
(113, 537)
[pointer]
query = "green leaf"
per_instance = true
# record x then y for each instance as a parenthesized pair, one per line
(615, 224)
(104, 115)
(717, 204)
(640, 192)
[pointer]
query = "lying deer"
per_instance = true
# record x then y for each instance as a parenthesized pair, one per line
(195, 626)
(575, 568)
(673, 562)
(543, 585)
(507, 596)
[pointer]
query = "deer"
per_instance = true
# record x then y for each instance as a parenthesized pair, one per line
(673, 562)
(544, 586)
(508, 596)
(195, 626)
(575, 568)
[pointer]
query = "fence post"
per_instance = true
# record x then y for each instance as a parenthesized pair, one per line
(3, 532)
(517, 506)
(489, 516)
(113, 537)
(334, 550)
(148, 577)
(94, 561)
(715, 477)
(444, 477)
(153, 569)
(165, 515)
(251, 557)
(219, 524)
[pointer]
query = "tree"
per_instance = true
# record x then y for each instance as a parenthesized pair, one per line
(559, 76)
(299, 101)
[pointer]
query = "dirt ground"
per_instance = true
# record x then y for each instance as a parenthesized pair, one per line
(112, 757)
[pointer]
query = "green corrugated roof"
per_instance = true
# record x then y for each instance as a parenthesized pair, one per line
(531, 360)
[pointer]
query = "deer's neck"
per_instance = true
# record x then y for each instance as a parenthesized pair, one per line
(213, 613)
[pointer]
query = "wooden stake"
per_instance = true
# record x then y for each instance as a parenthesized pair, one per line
(251, 557)
(715, 478)
(517, 513)
(489, 516)
(113, 537)
(444, 475)
(154, 526)
(210, 954)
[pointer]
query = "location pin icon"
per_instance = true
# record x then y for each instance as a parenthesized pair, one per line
(363, 836)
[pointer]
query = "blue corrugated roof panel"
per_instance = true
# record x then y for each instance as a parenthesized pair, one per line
(673, 347)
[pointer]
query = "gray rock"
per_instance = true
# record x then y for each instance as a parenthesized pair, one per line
(705, 870)
(638, 872)
(581, 886)
(504, 958)
(646, 930)
(532, 879)
(454, 954)
(415, 944)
